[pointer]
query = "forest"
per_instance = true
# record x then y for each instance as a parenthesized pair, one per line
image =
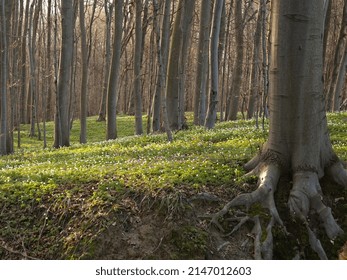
(221, 122)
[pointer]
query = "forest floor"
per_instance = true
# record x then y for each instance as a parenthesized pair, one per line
(140, 197)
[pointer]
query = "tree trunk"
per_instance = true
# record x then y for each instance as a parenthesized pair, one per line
(177, 63)
(298, 141)
(213, 98)
(186, 24)
(202, 64)
(137, 68)
(62, 123)
(33, 23)
(238, 66)
(114, 74)
(254, 84)
(164, 46)
(108, 13)
(161, 76)
(84, 82)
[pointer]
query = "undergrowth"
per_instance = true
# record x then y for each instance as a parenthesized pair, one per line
(54, 202)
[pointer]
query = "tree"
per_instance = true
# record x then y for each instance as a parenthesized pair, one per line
(254, 84)
(177, 61)
(108, 14)
(298, 140)
(162, 52)
(213, 100)
(62, 121)
(161, 76)
(202, 64)
(6, 141)
(111, 108)
(137, 68)
(84, 82)
(233, 104)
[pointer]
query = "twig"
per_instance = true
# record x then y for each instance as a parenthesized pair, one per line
(9, 249)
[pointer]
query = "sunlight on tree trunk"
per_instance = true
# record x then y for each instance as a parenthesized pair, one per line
(298, 140)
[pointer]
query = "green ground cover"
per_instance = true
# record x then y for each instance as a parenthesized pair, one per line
(63, 197)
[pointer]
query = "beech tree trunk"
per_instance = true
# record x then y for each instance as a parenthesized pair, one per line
(84, 82)
(298, 142)
(299, 139)
(202, 64)
(177, 63)
(213, 97)
(111, 107)
(137, 68)
(238, 66)
(108, 14)
(254, 84)
(62, 122)
(164, 47)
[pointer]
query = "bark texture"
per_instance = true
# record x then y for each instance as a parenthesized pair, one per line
(62, 122)
(299, 142)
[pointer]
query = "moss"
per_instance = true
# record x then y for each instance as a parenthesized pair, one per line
(191, 242)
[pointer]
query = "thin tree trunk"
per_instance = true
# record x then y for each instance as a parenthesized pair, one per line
(4, 79)
(111, 112)
(172, 93)
(254, 84)
(161, 82)
(338, 59)
(108, 13)
(213, 98)
(84, 82)
(186, 24)
(202, 64)
(137, 68)
(62, 124)
(164, 47)
(238, 65)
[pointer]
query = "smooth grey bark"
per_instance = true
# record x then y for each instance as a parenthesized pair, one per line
(84, 81)
(4, 79)
(164, 51)
(238, 65)
(32, 35)
(254, 83)
(177, 63)
(137, 68)
(265, 67)
(211, 115)
(111, 108)
(161, 76)
(62, 123)
(172, 91)
(186, 24)
(298, 142)
(23, 107)
(108, 13)
(202, 64)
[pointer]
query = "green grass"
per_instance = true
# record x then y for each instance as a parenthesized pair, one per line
(33, 180)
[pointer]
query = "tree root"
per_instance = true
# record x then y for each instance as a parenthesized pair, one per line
(305, 198)
(306, 195)
(338, 174)
(264, 194)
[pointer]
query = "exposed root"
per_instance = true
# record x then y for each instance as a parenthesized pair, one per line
(264, 194)
(338, 174)
(306, 195)
(305, 198)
